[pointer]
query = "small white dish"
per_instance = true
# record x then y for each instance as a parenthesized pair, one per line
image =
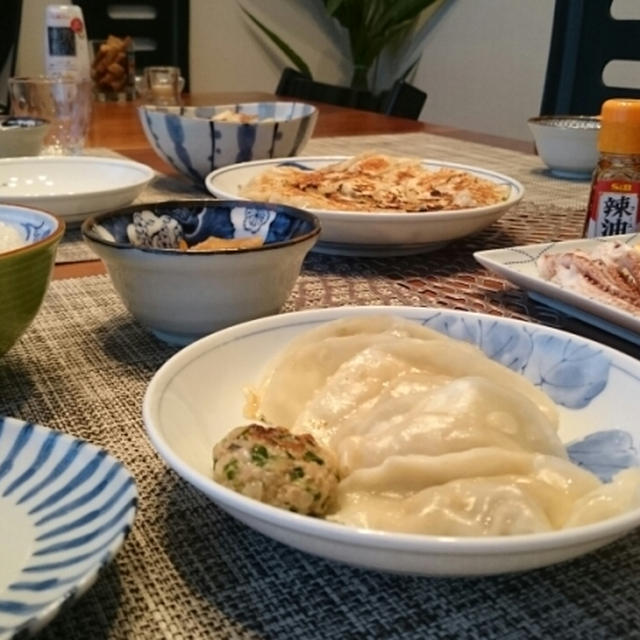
(187, 408)
(362, 233)
(66, 506)
(568, 145)
(72, 187)
(518, 265)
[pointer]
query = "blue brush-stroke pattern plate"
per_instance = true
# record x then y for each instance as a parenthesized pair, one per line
(518, 265)
(66, 506)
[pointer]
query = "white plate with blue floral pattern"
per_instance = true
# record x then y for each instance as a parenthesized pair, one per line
(188, 408)
(378, 233)
(65, 508)
(518, 265)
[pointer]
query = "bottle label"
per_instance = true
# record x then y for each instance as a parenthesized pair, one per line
(613, 208)
(62, 41)
(66, 45)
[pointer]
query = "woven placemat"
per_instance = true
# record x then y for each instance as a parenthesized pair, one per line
(188, 570)
(541, 188)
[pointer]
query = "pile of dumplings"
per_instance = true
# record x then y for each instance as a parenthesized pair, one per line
(431, 436)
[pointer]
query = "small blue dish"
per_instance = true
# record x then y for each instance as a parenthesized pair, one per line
(66, 507)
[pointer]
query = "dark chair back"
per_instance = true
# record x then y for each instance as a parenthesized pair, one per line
(9, 32)
(585, 38)
(402, 100)
(159, 29)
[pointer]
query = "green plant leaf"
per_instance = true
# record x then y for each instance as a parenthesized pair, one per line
(297, 61)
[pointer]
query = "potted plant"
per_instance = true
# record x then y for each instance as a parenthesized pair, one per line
(373, 27)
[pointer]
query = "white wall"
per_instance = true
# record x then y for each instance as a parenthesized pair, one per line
(483, 63)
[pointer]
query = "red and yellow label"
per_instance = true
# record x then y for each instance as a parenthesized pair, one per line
(613, 208)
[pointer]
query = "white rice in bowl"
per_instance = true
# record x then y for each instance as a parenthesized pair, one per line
(10, 238)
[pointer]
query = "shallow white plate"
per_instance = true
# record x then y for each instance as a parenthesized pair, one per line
(65, 508)
(72, 187)
(518, 265)
(378, 234)
(189, 406)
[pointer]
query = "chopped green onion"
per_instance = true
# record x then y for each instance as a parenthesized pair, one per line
(309, 456)
(259, 455)
(296, 472)
(230, 469)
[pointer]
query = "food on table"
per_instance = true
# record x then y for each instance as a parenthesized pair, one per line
(10, 238)
(275, 466)
(430, 436)
(110, 66)
(213, 243)
(236, 117)
(374, 182)
(610, 273)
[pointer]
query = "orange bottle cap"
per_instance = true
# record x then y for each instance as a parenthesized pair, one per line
(620, 126)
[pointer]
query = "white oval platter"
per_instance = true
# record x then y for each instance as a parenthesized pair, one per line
(365, 233)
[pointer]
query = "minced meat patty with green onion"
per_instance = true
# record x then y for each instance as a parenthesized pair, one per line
(278, 467)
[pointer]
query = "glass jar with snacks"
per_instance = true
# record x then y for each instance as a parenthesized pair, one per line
(113, 69)
(615, 189)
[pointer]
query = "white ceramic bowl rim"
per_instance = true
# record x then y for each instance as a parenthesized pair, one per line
(180, 111)
(566, 122)
(145, 173)
(91, 221)
(517, 192)
(490, 545)
(52, 237)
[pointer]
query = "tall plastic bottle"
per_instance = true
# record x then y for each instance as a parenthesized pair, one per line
(614, 204)
(66, 44)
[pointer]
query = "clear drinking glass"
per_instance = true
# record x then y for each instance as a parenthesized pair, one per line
(162, 85)
(64, 101)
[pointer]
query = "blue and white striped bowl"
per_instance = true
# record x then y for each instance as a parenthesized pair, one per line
(187, 138)
(65, 508)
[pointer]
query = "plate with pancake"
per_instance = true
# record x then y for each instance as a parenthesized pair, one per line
(375, 204)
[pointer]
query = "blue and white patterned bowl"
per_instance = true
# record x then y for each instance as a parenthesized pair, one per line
(181, 295)
(187, 138)
(25, 269)
(66, 506)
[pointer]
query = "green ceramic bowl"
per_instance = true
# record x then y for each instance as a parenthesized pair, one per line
(28, 242)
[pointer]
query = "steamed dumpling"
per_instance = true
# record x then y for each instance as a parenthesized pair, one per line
(307, 362)
(461, 414)
(331, 371)
(432, 436)
(474, 493)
